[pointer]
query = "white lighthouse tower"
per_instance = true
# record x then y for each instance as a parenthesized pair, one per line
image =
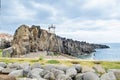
(51, 29)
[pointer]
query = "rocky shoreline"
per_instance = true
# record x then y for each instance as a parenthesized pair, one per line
(33, 39)
(36, 71)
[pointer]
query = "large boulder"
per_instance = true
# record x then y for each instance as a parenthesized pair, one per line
(7, 77)
(71, 72)
(87, 69)
(108, 76)
(99, 69)
(116, 73)
(3, 64)
(13, 65)
(35, 73)
(79, 76)
(7, 52)
(36, 65)
(50, 76)
(7, 70)
(90, 76)
(16, 73)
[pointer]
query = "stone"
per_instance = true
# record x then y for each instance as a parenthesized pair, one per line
(13, 65)
(48, 67)
(57, 72)
(44, 72)
(99, 69)
(116, 73)
(1, 68)
(7, 70)
(7, 52)
(78, 67)
(49, 76)
(24, 65)
(26, 71)
(26, 79)
(7, 77)
(87, 69)
(79, 76)
(35, 73)
(3, 64)
(61, 67)
(16, 73)
(36, 65)
(71, 72)
(90, 76)
(108, 76)
(63, 77)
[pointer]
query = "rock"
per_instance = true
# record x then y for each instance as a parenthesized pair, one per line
(61, 67)
(79, 76)
(78, 68)
(108, 76)
(44, 72)
(49, 76)
(99, 69)
(6, 77)
(26, 71)
(63, 77)
(16, 73)
(35, 73)
(7, 70)
(25, 79)
(87, 69)
(48, 67)
(1, 68)
(116, 73)
(71, 72)
(32, 39)
(24, 65)
(2, 64)
(36, 65)
(57, 72)
(7, 52)
(90, 76)
(13, 65)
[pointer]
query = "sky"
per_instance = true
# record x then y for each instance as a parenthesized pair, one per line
(95, 21)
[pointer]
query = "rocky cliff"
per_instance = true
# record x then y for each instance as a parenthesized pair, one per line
(32, 39)
(5, 40)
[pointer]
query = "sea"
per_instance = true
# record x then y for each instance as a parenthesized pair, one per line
(108, 54)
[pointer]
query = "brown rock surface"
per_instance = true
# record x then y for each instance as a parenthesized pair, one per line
(32, 39)
(6, 77)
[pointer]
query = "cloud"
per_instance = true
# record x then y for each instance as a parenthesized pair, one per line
(91, 30)
(87, 20)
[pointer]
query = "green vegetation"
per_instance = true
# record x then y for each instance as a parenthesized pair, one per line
(53, 61)
(41, 57)
(105, 64)
(0, 52)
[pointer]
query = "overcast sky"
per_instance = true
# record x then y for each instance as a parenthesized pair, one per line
(95, 21)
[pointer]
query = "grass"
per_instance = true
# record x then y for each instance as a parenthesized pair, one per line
(106, 64)
(53, 62)
(0, 52)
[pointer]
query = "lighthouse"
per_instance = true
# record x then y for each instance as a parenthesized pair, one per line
(51, 29)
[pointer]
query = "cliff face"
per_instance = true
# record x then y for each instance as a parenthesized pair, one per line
(31, 39)
(5, 40)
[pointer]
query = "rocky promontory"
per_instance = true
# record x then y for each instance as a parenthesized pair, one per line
(32, 39)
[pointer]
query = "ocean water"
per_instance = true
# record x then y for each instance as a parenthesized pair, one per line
(109, 54)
